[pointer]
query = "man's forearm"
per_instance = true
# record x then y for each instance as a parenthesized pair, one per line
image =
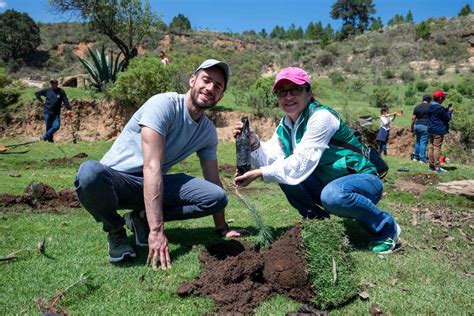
(153, 195)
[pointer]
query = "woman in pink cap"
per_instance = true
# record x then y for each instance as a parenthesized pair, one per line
(305, 157)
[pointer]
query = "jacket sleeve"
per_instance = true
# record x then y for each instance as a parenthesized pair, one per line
(39, 94)
(65, 100)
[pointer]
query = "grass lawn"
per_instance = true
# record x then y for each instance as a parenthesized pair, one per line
(431, 274)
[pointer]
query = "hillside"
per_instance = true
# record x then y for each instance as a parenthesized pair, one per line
(391, 51)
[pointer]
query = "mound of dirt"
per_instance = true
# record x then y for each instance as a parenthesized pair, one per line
(41, 196)
(238, 277)
(65, 160)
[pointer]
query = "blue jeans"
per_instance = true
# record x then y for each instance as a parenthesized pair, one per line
(102, 191)
(353, 196)
(421, 132)
(53, 122)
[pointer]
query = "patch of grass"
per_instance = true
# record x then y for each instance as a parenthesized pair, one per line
(329, 262)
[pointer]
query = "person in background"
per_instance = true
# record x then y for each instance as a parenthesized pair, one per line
(54, 98)
(419, 126)
(386, 120)
(438, 126)
(164, 59)
(312, 170)
(133, 174)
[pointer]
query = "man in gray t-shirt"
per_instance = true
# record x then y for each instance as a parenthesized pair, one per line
(133, 173)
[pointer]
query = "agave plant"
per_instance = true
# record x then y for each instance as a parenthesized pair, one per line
(103, 69)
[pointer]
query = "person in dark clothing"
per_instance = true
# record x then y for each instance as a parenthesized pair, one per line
(54, 98)
(419, 126)
(438, 126)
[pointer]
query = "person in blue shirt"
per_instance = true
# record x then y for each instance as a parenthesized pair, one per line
(438, 126)
(54, 98)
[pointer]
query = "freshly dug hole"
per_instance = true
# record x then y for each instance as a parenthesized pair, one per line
(238, 278)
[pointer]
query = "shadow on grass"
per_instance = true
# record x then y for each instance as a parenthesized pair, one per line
(186, 238)
(358, 237)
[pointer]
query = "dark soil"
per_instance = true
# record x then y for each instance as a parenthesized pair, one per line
(41, 196)
(423, 178)
(238, 277)
(65, 160)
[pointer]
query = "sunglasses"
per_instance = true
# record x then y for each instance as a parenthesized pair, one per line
(294, 91)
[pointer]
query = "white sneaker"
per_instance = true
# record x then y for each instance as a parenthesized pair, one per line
(441, 170)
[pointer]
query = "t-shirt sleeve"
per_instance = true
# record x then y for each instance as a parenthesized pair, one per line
(158, 114)
(209, 151)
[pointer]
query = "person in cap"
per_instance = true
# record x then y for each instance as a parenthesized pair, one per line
(55, 97)
(133, 174)
(419, 127)
(438, 126)
(318, 177)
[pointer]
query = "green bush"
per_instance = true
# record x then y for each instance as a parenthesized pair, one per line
(336, 77)
(407, 76)
(381, 96)
(330, 265)
(144, 78)
(463, 122)
(388, 73)
(466, 88)
(9, 93)
(421, 86)
(454, 97)
(261, 99)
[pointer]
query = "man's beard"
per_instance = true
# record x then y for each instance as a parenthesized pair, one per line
(200, 105)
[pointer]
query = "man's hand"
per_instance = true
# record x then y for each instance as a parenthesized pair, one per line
(237, 233)
(158, 249)
(247, 178)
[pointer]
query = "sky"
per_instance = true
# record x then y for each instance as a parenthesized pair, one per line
(242, 15)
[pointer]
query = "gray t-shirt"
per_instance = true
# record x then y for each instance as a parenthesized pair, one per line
(168, 115)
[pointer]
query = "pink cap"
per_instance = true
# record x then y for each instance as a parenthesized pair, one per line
(293, 74)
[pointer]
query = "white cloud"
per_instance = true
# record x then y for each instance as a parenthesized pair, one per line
(3, 4)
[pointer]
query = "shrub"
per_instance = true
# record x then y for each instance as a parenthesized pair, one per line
(8, 93)
(423, 30)
(336, 78)
(381, 96)
(421, 86)
(388, 74)
(410, 101)
(463, 122)
(144, 78)
(454, 97)
(466, 88)
(261, 99)
(407, 76)
(440, 71)
(446, 86)
(410, 91)
(325, 59)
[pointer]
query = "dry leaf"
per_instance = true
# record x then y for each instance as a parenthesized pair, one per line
(375, 310)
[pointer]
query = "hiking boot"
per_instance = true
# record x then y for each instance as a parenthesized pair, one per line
(440, 170)
(119, 248)
(137, 223)
(386, 245)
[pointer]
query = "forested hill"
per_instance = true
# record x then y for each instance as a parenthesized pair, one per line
(444, 45)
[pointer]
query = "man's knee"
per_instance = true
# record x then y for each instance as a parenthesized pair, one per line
(90, 175)
(220, 200)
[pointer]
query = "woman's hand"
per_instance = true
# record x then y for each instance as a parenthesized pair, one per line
(247, 178)
(254, 142)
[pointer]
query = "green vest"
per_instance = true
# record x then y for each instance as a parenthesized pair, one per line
(336, 161)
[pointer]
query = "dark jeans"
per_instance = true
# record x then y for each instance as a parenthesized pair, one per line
(53, 122)
(353, 196)
(102, 191)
